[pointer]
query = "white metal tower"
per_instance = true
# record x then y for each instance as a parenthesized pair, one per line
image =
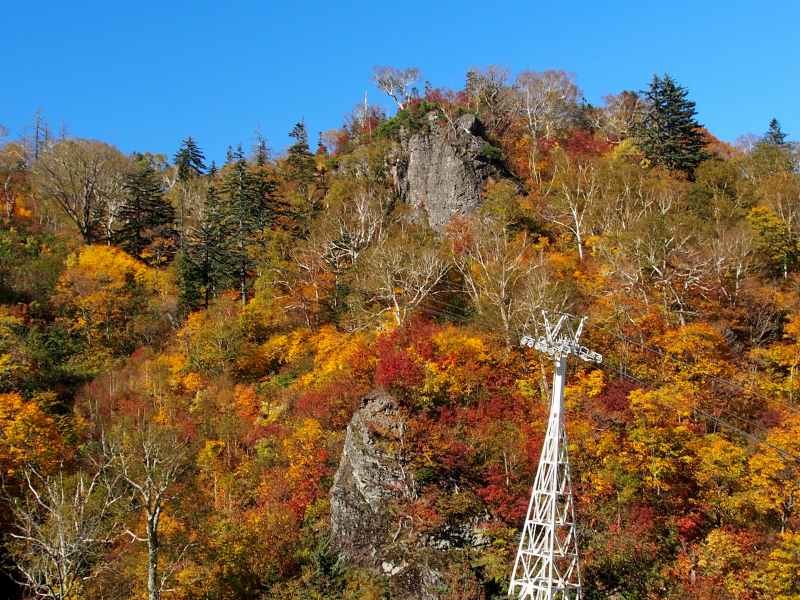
(547, 566)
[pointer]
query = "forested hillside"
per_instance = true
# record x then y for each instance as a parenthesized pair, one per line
(184, 345)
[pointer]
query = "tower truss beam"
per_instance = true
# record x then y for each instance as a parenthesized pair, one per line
(547, 565)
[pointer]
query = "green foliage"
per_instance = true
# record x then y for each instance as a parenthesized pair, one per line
(189, 160)
(775, 244)
(669, 134)
(147, 218)
(412, 119)
(491, 153)
(775, 136)
(206, 264)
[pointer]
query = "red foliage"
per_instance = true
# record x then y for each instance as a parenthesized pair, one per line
(505, 500)
(331, 405)
(397, 351)
(396, 368)
(613, 402)
(689, 526)
(580, 142)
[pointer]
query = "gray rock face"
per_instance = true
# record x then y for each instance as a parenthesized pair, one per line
(369, 478)
(370, 474)
(441, 173)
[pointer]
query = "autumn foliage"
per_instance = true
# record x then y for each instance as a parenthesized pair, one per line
(209, 396)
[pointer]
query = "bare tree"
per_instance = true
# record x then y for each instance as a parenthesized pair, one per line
(357, 224)
(150, 459)
(577, 194)
(396, 83)
(491, 97)
(661, 253)
(621, 115)
(12, 169)
(503, 271)
(62, 524)
(399, 272)
(83, 178)
(547, 101)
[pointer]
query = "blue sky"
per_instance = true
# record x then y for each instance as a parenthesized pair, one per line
(143, 75)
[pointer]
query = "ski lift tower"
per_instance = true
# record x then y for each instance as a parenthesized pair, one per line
(547, 565)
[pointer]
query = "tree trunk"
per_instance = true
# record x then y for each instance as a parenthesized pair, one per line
(153, 588)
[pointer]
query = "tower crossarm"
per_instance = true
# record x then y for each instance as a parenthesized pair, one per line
(562, 338)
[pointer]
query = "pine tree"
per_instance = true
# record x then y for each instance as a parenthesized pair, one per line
(147, 217)
(189, 160)
(243, 209)
(300, 170)
(775, 136)
(299, 160)
(261, 151)
(670, 134)
(207, 262)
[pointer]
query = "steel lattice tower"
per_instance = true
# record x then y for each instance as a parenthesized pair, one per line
(547, 565)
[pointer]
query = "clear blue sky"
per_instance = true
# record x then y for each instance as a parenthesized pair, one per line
(143, 75)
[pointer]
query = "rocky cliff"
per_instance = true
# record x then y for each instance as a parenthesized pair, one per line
(441, 170)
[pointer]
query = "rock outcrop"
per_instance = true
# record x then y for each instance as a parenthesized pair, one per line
(441, 171)
(370, 478)
(370, 474)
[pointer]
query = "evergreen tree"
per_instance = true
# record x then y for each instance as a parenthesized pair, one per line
(775, 136)
(189, 160)
(300, 170)
(244, 212)
(669, 134)
(207, 262)
(261, 151)
(299, 160)
(147, 217)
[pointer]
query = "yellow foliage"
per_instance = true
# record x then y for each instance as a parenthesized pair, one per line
(303, 449)
(104, 290)
(286, 348)
(774, 473)
(780, 577)
(27, 434)
(453, 340)
(333, 354)
(657, 444)
(587, 384)
(694, 351)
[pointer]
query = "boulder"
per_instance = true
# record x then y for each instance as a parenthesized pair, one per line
(369, 479)
(370, 474)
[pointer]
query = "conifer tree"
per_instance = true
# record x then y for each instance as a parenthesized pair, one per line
(775, 135)
(300, 171)
(670, 134)
(261, 151)
(299, 159)
(189, 160)
(243, 210)
(147, 217)
(206, 263)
